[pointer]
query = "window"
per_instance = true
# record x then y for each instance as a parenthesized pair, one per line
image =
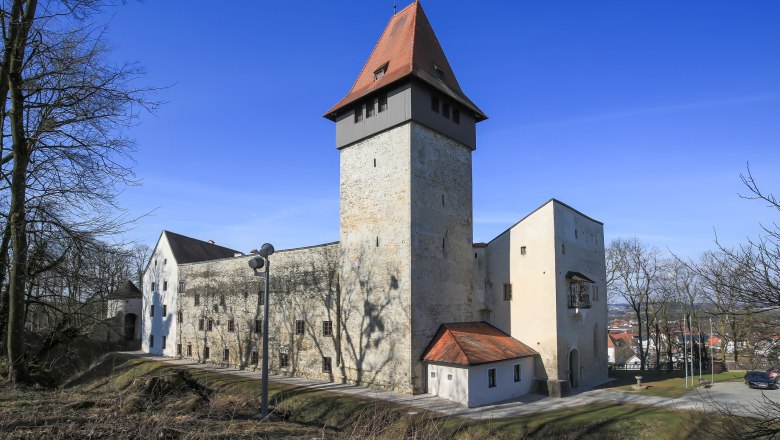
(258, 325)
(178, 349)
(151, 310)
(380, 72)
(299, 327)
(369, 109)
(164, 339)
(522, 250)
(151, 341)
(576, 235)
(382, 103)
(206, 352)
(181, 286)
(197, 300)
(215, 307)
(165, 286)
(517, 372)
(491, 377)
(449, 377)
(226, 355)
(445, 110)
(435, 103)
(154, 286)
(284, 360)
(255, 358)
(433, 375)
(210, 325)
(507, 292)
(155, 262)
(222, 299)
(201, 324)
(180, 317)
(359, 113)
(231, 325)
(165, 261)
(456, 116)
(189, 349)
(326, 366)
(327, 328)
(165, 310)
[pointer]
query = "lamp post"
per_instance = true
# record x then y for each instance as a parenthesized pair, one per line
(256, 264)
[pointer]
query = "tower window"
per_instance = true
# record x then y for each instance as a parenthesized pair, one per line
(197, 299)
(258, 325)
(435, 103)
(327, 328)
(165, 286)
(210, 325)
(255, 357)
(445, 110)
(382, 103)
(222, 299)
(206, 352)
(377, 241)
(201, 324)
(370, 108)
(299, 327)
(231, 325)
(507, 292)
(181, 286)
(522, 250)
(284, 360)
(189, 349)
(456, 116)
(374, 163)
(358, 113)
(226, 355)
(326, 365)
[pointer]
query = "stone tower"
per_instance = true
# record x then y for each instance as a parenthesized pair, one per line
(405, 133)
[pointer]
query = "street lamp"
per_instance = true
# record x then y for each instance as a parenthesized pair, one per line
(256, 264)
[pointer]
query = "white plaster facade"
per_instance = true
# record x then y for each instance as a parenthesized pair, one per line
(470, 386)
(159, 305)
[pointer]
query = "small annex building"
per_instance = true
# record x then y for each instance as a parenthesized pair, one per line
(474, 363)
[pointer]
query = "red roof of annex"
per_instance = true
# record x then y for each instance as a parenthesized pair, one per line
(473, 343)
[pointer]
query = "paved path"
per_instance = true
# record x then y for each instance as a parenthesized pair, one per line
(725, 393)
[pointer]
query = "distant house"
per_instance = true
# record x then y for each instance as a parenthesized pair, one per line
(618, 346)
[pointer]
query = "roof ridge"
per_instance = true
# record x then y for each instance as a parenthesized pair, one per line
(414, 35)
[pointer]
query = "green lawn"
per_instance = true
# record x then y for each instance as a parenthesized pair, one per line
(665, 384)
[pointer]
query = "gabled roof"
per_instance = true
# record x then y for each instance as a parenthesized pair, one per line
(474, 343)
(191, 250)
(407, 48)
(128, 290)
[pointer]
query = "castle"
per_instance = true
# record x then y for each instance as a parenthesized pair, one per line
(405, 300)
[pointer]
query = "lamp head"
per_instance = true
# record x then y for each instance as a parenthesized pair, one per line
(256, 263)
(266, 250)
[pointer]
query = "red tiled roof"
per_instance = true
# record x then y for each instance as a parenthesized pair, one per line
(408, 47)
(610, 341)
(473, 343)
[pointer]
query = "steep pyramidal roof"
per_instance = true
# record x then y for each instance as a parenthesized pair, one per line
(128, 290)
(191, 250)
(407, 48)
(474, 343)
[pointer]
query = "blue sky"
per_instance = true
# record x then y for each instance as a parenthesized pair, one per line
(640, 114)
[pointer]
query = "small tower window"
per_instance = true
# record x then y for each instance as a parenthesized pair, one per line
(435, 103)
(370, 108)
(507, 292)
(445, 110)
(359, 113)
(382, 103)
(522, 250)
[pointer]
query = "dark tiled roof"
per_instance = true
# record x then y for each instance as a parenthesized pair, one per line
(128, 290)
(191, 250)
(473, 343)
(408, 48)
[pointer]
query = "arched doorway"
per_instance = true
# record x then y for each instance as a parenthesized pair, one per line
(130, 319)
(574, 368)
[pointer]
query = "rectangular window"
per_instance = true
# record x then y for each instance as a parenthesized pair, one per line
(563, 249)
(165, 286)
(449, 377)
(445, 109)
(326, 365)
(206, 352)
(507, 292)
(433, 375)
(380, 72)
(299, 327)
(358, 113)
(255, 358)
(258, 326)
(456, 116)
(327, 328)
(210, 324)
(165, 310)
(189, 349)
(517, 372)
(215, 308)
(284, 360)
(231, 325)
(154, 286)
(382, 103)
(181, 286)
(151, 341)
(522, 250)
(197, 300)
(164, 339)
(491, 378)
(178, 349)
(435, 103)
(180, 317)
(151, 310)
(222, 299)
(226, 355)
(201, 324)
(369, 109)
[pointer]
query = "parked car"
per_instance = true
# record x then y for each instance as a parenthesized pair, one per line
(774, 373)
(759, 379)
